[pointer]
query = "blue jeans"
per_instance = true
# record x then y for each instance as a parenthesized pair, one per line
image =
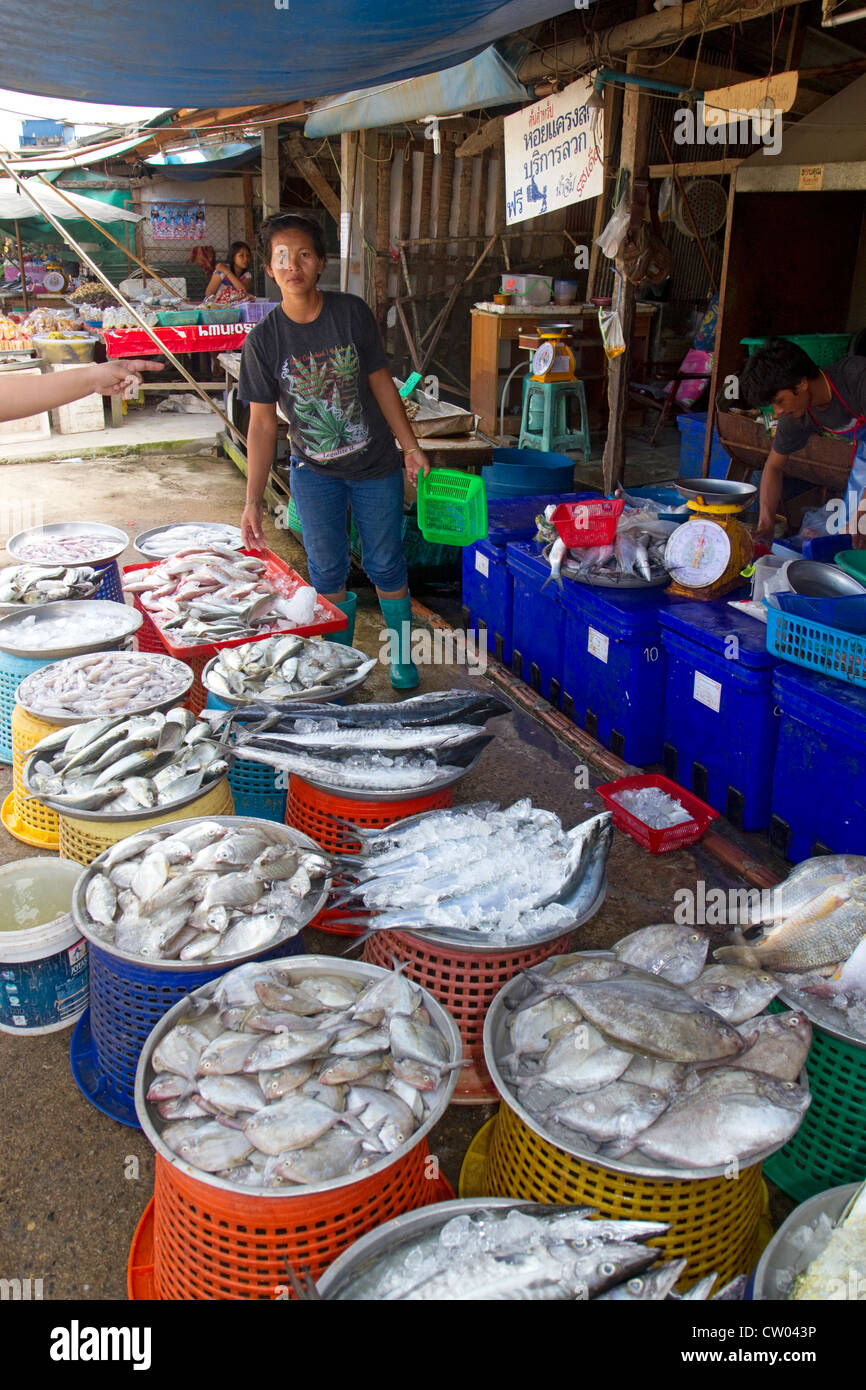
(377, 506)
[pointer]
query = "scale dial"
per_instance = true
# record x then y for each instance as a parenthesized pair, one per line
(698, 553)
(543, 358)
(54, 281)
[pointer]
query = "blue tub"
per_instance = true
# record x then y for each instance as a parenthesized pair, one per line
(488, 596)
(538, 624)
(532, 469)
(819, 786)
(615, 669)
(692, 425)
(721, 722)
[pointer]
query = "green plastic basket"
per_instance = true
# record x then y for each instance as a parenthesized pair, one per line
(452, 507)
(829, 1148)
(823, 348)
(293, 521)
(853, 562)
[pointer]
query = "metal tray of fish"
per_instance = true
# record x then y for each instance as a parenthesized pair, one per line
(496, 1045)
(219, 531)
(447, 779)
(27, 694)
(315, 695)
(112, 542)
(403, 1231)
(142, 813)
(824, 1017)
(617, 580)
(313, 903)
(301, 967)
(126, 621)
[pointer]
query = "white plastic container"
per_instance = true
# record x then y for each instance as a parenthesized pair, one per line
(43, 956)
(528, 290)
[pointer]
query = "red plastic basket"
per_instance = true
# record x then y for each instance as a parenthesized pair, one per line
(673, 836)
(582, 524)
(466, 983)
(320, 815)
(196, 1241)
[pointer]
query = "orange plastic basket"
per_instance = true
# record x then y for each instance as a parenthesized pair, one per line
(321, 815)
(26, 819)
(196, 1241)
(466, 983)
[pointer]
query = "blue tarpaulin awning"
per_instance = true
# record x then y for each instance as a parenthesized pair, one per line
(208, 53)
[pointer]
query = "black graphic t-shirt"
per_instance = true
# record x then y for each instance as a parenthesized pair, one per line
(319, 374)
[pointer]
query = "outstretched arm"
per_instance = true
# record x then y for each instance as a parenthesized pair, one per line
(22, 395)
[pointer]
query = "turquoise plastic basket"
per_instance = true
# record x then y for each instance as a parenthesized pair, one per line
(817, 647)
(452, 507)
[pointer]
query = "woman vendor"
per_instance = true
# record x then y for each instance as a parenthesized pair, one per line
(320, 355)
(231, 279)
(807, 399)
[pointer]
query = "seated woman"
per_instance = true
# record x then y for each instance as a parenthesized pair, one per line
(231, 281)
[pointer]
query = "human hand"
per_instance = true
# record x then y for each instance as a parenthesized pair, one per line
(765, 531)
(221, 267)
(252, 532)
(416, 462)
(120, 375)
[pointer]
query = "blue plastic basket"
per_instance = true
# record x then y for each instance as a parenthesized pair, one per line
(255, 787)
(127, 1000)
(817, 647)
(538, 627)
(111, 587)
(13, 669)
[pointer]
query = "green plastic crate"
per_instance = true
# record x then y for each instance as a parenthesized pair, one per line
(452, 507)
(829, 1148)
(853, 562)
(293, 521)
(823, 348)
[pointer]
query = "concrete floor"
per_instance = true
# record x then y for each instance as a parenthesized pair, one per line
(143, 430)
(73, 1183)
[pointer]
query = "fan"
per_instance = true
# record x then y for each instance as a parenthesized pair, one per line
(708, 203)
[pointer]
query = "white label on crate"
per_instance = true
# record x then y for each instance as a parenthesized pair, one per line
(482, 564)
(708, 692)
(597, 644)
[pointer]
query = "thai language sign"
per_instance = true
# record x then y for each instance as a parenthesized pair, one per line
(554, 153)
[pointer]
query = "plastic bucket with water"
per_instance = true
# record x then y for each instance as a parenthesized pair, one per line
(43, 956)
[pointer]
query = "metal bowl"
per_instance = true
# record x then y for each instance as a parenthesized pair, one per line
(27, 693)
(313, 903)
(69, 608)
(823, 1016)
(620, 581)
(402, 1231)
(114, 541)
(405, 793)
(716, 492)
(223, 534)
(316, 696)
(109, 817)
(301, 967)
(6, 609)
(784, 1251)
(814, 580)
(496, 1044)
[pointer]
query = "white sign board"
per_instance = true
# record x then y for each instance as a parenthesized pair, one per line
(554, 153)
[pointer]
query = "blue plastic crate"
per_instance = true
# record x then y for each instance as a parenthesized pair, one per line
(513, 518)
(255, 788)
(819, 785)
(822, 548)
(488, 596)
(538, 625)
(111, 587)
(721, 722)
(692, 425)
(614, 669)
(802, 642)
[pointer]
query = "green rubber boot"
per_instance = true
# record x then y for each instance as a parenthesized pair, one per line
(347, 606)
(397, 613)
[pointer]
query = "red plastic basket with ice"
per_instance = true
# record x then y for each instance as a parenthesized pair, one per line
(658, 841)
(581, 524)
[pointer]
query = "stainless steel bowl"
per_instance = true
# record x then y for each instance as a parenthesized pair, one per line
(785, 1251)
(71, 608)
(321, 695)
(404, 794)
(496, 1045)
(313, 903)
(221, 533)
(815, 580)
(717, 492)
(301, 967)
(822, 1015)
(110, 817)
(113, 540)
(27, 693)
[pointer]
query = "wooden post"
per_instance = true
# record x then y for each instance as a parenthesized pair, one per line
(270, 171)
(21, 270)
(368, 187)
(723, 283)
(635, 141)
(348, 171)
(383, 229)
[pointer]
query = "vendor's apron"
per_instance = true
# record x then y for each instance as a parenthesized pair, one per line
(856, 432)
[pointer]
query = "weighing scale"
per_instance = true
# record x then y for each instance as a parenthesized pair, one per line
(553, 360)
(706, 555)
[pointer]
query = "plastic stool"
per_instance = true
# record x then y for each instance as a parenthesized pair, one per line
(554, 436)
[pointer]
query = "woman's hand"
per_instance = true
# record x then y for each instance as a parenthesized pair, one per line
(252, 533)
(416, 462)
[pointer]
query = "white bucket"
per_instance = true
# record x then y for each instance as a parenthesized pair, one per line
(43, 956)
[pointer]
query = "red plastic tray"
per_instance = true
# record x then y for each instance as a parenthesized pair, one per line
(283, 577)
(582, 524)
(672, 836)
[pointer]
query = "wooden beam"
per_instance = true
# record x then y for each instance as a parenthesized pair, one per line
(406, 148)
(249, 232)
(383, 229)
(446, 185)
(310, 171)
(708, 76)
(348, 171)
(368, 187)
(491, 133)
(713, 168)
(720, 318)
(270, 172)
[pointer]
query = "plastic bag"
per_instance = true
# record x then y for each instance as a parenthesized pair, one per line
(666, 198)
(770, 576)
(612, 336)
(820, 521)
(611, 237)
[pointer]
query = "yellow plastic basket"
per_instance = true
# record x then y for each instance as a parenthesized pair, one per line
(720, 1225)
(85, 839)
(26, 819)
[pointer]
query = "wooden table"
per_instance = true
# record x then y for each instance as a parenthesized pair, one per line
(491, 328)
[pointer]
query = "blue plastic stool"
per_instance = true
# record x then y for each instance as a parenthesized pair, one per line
(554, 436)
(255, 787)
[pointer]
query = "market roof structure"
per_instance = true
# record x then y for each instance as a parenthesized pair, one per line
(832, 138)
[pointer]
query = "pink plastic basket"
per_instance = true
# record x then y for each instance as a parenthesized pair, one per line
(582, 524)
(671, 837)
